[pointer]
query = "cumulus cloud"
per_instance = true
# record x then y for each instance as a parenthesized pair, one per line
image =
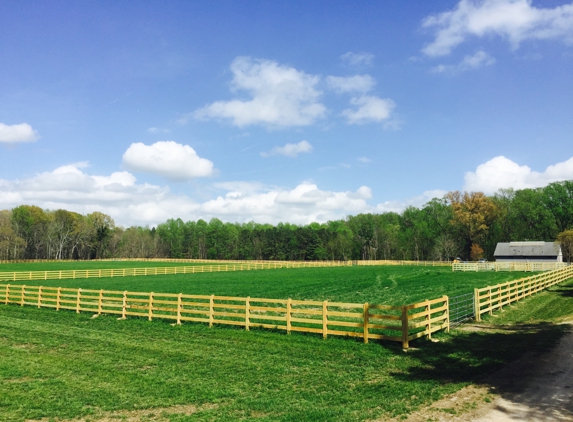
(501, 172)
(369, 109)
(514, 20)
(357, 59)
(130, 203)
(302, 205)
(168, 159)
(356, 83)
(281, 96)
(479, 59)
(22, 132)
(290, 150)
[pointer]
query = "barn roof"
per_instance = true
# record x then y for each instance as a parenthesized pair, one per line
(527, 249)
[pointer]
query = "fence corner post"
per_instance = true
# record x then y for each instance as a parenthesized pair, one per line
(405, 343)
(477, 314)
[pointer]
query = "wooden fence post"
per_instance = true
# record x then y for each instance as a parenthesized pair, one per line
(366, 317)
(405, 327)
(100, 302)
(247, 313)
(39, 297)
(428, 323)
(78, 301)
(124, 305)
(288, 315)
(23, 294)
(150, 316)
(447, 313)
(58, 298)
(324, 319)
(211, 310)
(179, 309)
(477, 314)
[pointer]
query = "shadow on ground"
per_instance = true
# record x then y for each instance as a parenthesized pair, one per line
(529, 366)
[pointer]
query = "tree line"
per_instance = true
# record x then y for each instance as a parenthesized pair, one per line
(464, 224)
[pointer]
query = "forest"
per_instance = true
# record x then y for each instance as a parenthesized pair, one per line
(461, 224)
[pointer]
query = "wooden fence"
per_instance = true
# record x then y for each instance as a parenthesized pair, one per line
(508, 266)
(131, 272)
(380, 322)
(492, 298)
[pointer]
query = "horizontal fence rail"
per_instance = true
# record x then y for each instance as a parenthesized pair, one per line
(379, 322)
(508, 266)
(493, 298)
(206, 261)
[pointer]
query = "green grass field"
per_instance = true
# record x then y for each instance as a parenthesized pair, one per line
(382, 285)
(95, 265)
(63, 365)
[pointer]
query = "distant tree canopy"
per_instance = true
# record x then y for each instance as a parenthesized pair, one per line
(467, 224)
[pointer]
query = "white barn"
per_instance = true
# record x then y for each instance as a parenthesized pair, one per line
(528, 251)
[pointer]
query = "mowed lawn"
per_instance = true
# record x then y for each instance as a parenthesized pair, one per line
(391, 285)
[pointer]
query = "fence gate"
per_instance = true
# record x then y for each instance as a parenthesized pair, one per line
(461, 308)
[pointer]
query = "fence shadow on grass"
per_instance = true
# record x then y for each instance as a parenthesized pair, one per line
(503, 359)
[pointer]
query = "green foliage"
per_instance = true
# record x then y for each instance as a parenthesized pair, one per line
(441, 230)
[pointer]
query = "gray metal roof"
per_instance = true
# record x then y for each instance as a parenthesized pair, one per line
(527, 249)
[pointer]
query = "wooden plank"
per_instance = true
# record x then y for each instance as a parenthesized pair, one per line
(345, 324)
(306, 320)
(268, 317)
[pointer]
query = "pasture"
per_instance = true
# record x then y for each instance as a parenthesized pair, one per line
(66, 365)
(93, 265)
(389, 285)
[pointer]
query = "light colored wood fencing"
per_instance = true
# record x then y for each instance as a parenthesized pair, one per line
(380, 322)
(410, 263)
(508, 266)
(131, 272)
(493, 298)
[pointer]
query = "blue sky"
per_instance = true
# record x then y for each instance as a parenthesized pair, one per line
(279, 110)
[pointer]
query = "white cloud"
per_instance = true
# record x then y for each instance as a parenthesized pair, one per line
(130, 203)
(290, 150)
(415, 201)
(370, 109)
(22, 132)
(157, 130)
(514, 20)
(356, 83)
(168, 159)
(357, 59)
(501, 172)
(364, 160)
(302, 205)
(280, 96)
(479, 59)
